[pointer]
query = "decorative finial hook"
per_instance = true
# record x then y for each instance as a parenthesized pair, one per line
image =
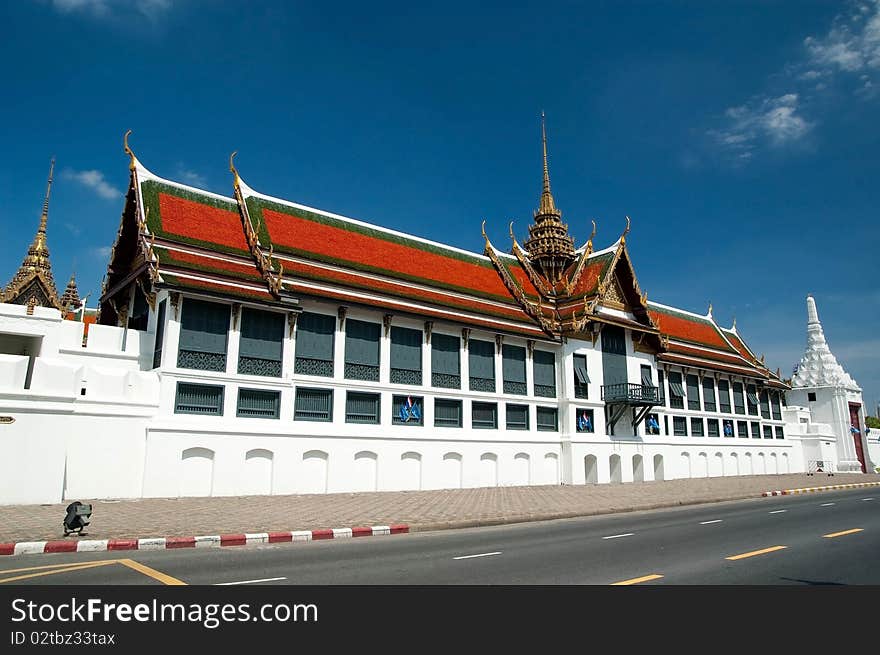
(625, 231)
(128, 151)
(710, 308)
(511, 231)
(593, 233)
(232, 165)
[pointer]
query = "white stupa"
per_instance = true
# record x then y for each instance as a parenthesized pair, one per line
(818, 367)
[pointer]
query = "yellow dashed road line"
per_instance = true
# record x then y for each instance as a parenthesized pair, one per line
(756, 552)
(840, 534)
(152, 573)
(69, 568)
(644, 578)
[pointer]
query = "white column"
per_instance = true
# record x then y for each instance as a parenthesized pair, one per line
(288, 350)
(232, 340)
(464, 365)
(385, 355)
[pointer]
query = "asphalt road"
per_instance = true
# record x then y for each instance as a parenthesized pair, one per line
(829, 538)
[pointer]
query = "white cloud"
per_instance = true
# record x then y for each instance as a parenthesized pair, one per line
(191, 177)
(95, 181)
(105, 8)
(102, 252)
(775, 121)
(849, 47)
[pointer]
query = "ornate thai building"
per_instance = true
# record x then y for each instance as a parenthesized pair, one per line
(249, 344)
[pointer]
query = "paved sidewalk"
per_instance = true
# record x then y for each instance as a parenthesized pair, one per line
(421, 510)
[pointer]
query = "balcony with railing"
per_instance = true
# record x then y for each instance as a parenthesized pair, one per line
(630, 394)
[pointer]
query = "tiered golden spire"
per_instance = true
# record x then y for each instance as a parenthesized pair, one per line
(550, 247)
(35, 265)
(70, 300)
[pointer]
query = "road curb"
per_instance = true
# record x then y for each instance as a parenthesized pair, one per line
(829, 487)
(204, 541)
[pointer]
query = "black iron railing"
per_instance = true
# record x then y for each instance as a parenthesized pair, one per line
(635, 394)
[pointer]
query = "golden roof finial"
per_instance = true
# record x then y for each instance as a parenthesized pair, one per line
(128, 151)
(625, 231)
(733, 327)
(548, 206)
(710, 308)
(232, 170)
(592, 234)
(44, 217)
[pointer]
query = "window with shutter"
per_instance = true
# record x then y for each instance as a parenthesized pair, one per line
(709, 395)
(693, 392)
(548, 419)
(406, 356)
(712, 426)
(768, 432)
(204, 327)
(765, 404)
(581, 379)
(261, 342)
(697, 427)
(315, 335)
(724, 396)
(584, 420)
(545, 373)
(752, 399)
(484, 416)
(447, 413)
(739, 405)
(160, 335)
(676, 392)
(517, 417)
(777, 410)
(780, 434)
(756, 430)
(313, 404)
(445, 361)
(198, 399)
(679, 426)
(258, 403)
(407, 410)
(742, 429)
(361, 407)
(361, 350)
(481, 365)
(514, 369)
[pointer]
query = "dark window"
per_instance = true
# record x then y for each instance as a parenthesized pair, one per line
(406, 356)
(693, 392)
(514, 369)
(739, 405)
(261, 342)
(484, 416)
(765, 404)
(203, 331)
(545, 373)
(728, 428)
(517, 417)
(313, 404)
(407, 410)
(447, 413)
(696, 427)
(481, 365)
(258, 403)
(779, 432)
(160, 335)
(652, 424)
(198, 399)
(777, 410)
(742, 429)
(140, 311)
(712, 427)
(752, 399)
(581, 379)
(679, 426)
(724, 396)
(315, 335)
(676, 392)
(756, 430)
(665, 424)
(811, 396)
(614, 340)
(584, 420)
(709, 394)
(445, 361)
(661, 382)
(361, 350)
(548, 419)
(361, 407)
(647, 379)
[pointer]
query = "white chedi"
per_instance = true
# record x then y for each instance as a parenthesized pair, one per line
(818, 367)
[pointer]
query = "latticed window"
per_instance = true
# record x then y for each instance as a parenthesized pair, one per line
(581, 379)
(481, 365)
(709, 395)
(756, 430)
(752, 399)
(199, 399)
(484, 416)
(548, 419)
(514, 369)
(160, 335)
(712, 426)
(779, 432)
(679, 426)
(545, 373)
(361, 407)
(765, 404)
(445, 361)
(517, 417)
(693, 392)
(739, 403)
(203, 331)
(406, 356)
(361, 350)
(407, 410)
(313, 404)
(768, 431)
(676, 393)
(777, 410)
(258, 403)
(314, 344)
(697, 427)
(447, 413)
(261, 343)
(724, 396)
(742, 429)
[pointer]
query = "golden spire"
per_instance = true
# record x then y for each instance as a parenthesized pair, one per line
(38, 253)
(548, 206)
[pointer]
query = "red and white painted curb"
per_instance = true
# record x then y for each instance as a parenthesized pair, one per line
(789, 492)
(207, 541)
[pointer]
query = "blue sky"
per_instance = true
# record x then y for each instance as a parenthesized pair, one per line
(740, 137)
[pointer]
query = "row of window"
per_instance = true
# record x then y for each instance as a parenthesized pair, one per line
(312, 404)
(712, 427)
(203, 344)
(746, 399)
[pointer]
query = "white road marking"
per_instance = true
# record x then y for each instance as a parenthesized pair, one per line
(220, 584)
(867, 499)
(708, 522)
(615, 536)
(777, 511)
(497, 552)
(826, 505)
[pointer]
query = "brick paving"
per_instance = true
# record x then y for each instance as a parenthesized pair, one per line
(421, 510)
